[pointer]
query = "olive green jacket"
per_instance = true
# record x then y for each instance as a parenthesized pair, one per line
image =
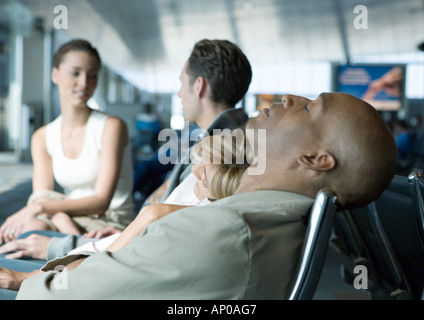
(242, 247)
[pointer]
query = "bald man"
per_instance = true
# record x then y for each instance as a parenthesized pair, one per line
(337, 142)
(245, 246)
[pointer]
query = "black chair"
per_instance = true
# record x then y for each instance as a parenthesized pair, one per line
(416, 188)
(386, 275)
(348, 247)
(390, 245)
(396, 211)
(315, 246)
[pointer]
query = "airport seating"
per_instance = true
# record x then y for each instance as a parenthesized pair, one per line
(373, 250)
(399, 220)
(416, 188)
(387, 242)
(315, 246)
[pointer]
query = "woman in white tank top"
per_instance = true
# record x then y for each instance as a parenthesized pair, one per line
(85, 151)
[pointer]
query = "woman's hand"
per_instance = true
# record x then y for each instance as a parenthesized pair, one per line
(101, 233)
(14, 224)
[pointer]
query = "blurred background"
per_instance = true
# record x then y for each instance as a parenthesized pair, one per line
(301, 47)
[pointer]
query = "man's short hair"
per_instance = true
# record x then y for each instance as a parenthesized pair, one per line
(225, 68)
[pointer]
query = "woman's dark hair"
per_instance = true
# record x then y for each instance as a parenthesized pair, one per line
(75, 45)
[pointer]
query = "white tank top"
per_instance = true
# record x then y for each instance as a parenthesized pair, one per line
(78, 176)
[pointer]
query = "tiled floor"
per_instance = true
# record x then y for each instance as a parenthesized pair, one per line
(15, 187)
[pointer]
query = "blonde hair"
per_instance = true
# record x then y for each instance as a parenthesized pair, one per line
(228, 152)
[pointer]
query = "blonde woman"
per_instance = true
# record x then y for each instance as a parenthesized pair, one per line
(220, 163)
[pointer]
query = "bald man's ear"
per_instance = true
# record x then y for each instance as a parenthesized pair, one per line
(319, 161)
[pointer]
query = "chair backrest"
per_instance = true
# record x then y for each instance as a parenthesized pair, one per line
(393, 271)
(396, 212)
(416, 188)
(315, 246)
(393, 252)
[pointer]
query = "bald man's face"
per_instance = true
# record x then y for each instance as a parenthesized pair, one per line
(298, 121)
(291, 107)
(291, 125)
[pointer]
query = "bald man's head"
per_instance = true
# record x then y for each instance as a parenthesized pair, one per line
(336, 141)
(364, 147)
